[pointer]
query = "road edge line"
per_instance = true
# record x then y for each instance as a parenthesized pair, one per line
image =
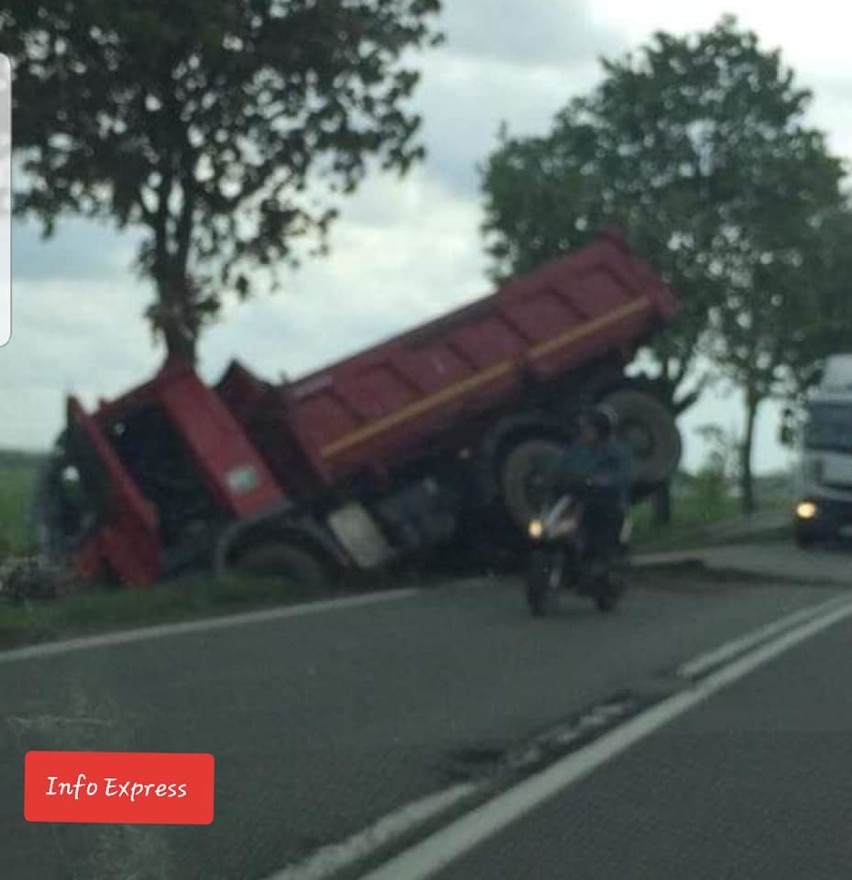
(166, 630)
(335, 857)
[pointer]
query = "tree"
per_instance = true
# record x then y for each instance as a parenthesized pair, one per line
(822, 322)
(226, 129)
(697, 148)
(787, 309)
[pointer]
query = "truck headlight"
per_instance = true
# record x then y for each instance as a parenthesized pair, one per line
(536, 529)
(806, 510)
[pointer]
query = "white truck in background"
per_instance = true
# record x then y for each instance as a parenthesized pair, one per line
(823, 479)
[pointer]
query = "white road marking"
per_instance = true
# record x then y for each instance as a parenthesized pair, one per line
(729, 650)
(330, 859)
(167, 630)
(425, 859)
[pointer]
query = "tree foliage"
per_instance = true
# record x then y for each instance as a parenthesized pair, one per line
(699, 148)
(226, 129)
(821, 323)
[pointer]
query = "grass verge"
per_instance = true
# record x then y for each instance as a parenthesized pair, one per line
(17, 484)
(698, 525)
(31, 622)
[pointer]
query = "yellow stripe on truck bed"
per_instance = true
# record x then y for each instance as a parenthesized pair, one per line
(481, 378)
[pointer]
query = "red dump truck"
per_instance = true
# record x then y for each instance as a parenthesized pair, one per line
(391, 453)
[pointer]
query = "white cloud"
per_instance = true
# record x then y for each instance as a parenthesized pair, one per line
(813, 36)
(80, 249)
(380, 278)
(832, 112)
(77, 336)
(464, 100)
(557, 32)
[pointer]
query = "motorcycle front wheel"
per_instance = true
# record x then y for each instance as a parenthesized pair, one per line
(544, 580)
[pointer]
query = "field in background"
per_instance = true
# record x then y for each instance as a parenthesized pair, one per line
(697, 504)
(18, 472)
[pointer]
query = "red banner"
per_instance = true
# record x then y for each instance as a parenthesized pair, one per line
(133, 788)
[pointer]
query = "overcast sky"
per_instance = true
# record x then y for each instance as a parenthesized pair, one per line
(403, 251)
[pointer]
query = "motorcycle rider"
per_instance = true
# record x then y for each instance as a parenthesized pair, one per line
(604, 467)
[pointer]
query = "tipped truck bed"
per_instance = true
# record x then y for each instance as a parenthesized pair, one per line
(376, 409)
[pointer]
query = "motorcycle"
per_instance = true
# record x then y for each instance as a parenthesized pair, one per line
(560, 559)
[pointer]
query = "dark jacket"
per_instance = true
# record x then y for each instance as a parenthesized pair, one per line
(608, 468)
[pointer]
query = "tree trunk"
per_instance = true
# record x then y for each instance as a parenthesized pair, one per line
(175, 316)
(663, 506)
(746, 478)
(179, 346)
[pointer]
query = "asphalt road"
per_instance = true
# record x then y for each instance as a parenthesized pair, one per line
(324, 723)
(756, 783)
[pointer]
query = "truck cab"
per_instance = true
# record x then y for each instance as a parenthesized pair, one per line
(823, 479)
(143, 486)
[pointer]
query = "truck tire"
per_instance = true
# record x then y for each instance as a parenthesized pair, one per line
(648, 427)
(287, 561)
(520, 476)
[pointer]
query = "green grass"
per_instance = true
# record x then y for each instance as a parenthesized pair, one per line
(18, 474)
(688, 512)
(31, 622)
(693, 513)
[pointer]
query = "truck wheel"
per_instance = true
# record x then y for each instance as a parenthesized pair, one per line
(285, 561)
(649, 429)
(521, 477)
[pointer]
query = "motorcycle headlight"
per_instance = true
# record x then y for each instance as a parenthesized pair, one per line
(536, 529)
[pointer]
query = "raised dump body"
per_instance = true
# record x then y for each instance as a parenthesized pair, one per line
(378, 408)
